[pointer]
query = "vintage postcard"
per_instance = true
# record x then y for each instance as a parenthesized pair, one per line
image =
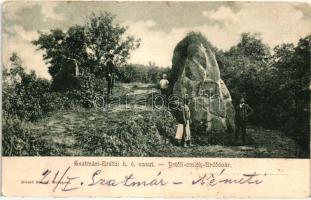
(156, 99)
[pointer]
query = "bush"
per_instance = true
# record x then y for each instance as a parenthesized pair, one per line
(31, 98)
(18, 141)
(89, 87)
(138, 133)
(141, 73)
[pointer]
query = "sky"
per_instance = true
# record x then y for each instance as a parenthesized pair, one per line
(160, 25)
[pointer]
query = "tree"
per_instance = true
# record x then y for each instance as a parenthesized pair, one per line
(291, 96)
(245, 68)
(251, 46)
(13, 74)
(84, 49)
(61, 50)
(276, 85)
(24, 95)
(104, 38)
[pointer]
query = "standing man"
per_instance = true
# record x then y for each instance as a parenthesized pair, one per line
(243, 111)
(110, 73)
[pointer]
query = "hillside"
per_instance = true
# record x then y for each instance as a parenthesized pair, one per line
(140, 130)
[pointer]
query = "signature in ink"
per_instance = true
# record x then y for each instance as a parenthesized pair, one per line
(213, 179)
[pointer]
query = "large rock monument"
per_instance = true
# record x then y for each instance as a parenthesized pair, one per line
(195, 74)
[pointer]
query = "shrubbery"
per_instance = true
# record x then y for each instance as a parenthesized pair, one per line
(26, 98)
(276, 85)
(88, 88)
(135, 133)
(17, 140)
(141, 73)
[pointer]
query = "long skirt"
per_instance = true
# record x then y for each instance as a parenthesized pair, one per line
(179, 131)
(183, 131)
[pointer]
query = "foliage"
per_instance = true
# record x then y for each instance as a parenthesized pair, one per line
(89, 87)
(275, 85)
(291, 65)
(17, 140)
(24, 95)
(84, 49)
(251, 46)
(141, 73)
(104, 37)
(137, 133)
(131, 73)
(25, 98)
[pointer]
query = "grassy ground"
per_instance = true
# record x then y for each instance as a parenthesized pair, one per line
(140, 130)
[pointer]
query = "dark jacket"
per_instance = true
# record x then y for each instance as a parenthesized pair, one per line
(243, 111)
(178, 113)
(110, 68)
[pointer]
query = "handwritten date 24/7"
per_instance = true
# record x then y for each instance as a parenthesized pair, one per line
(65, 181)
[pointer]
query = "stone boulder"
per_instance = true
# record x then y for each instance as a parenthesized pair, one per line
(195, 74)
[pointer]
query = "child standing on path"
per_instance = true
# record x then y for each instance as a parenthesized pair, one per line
(164, 84)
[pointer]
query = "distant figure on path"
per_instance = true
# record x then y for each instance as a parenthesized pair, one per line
(110, 74)
(164, 85)
(243, 111)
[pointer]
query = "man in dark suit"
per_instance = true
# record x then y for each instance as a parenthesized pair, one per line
(243, 111)
(110, 73)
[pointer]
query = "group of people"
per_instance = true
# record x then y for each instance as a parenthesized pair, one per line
(183, 133)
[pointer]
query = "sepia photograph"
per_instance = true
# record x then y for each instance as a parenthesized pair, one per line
(156, 79)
